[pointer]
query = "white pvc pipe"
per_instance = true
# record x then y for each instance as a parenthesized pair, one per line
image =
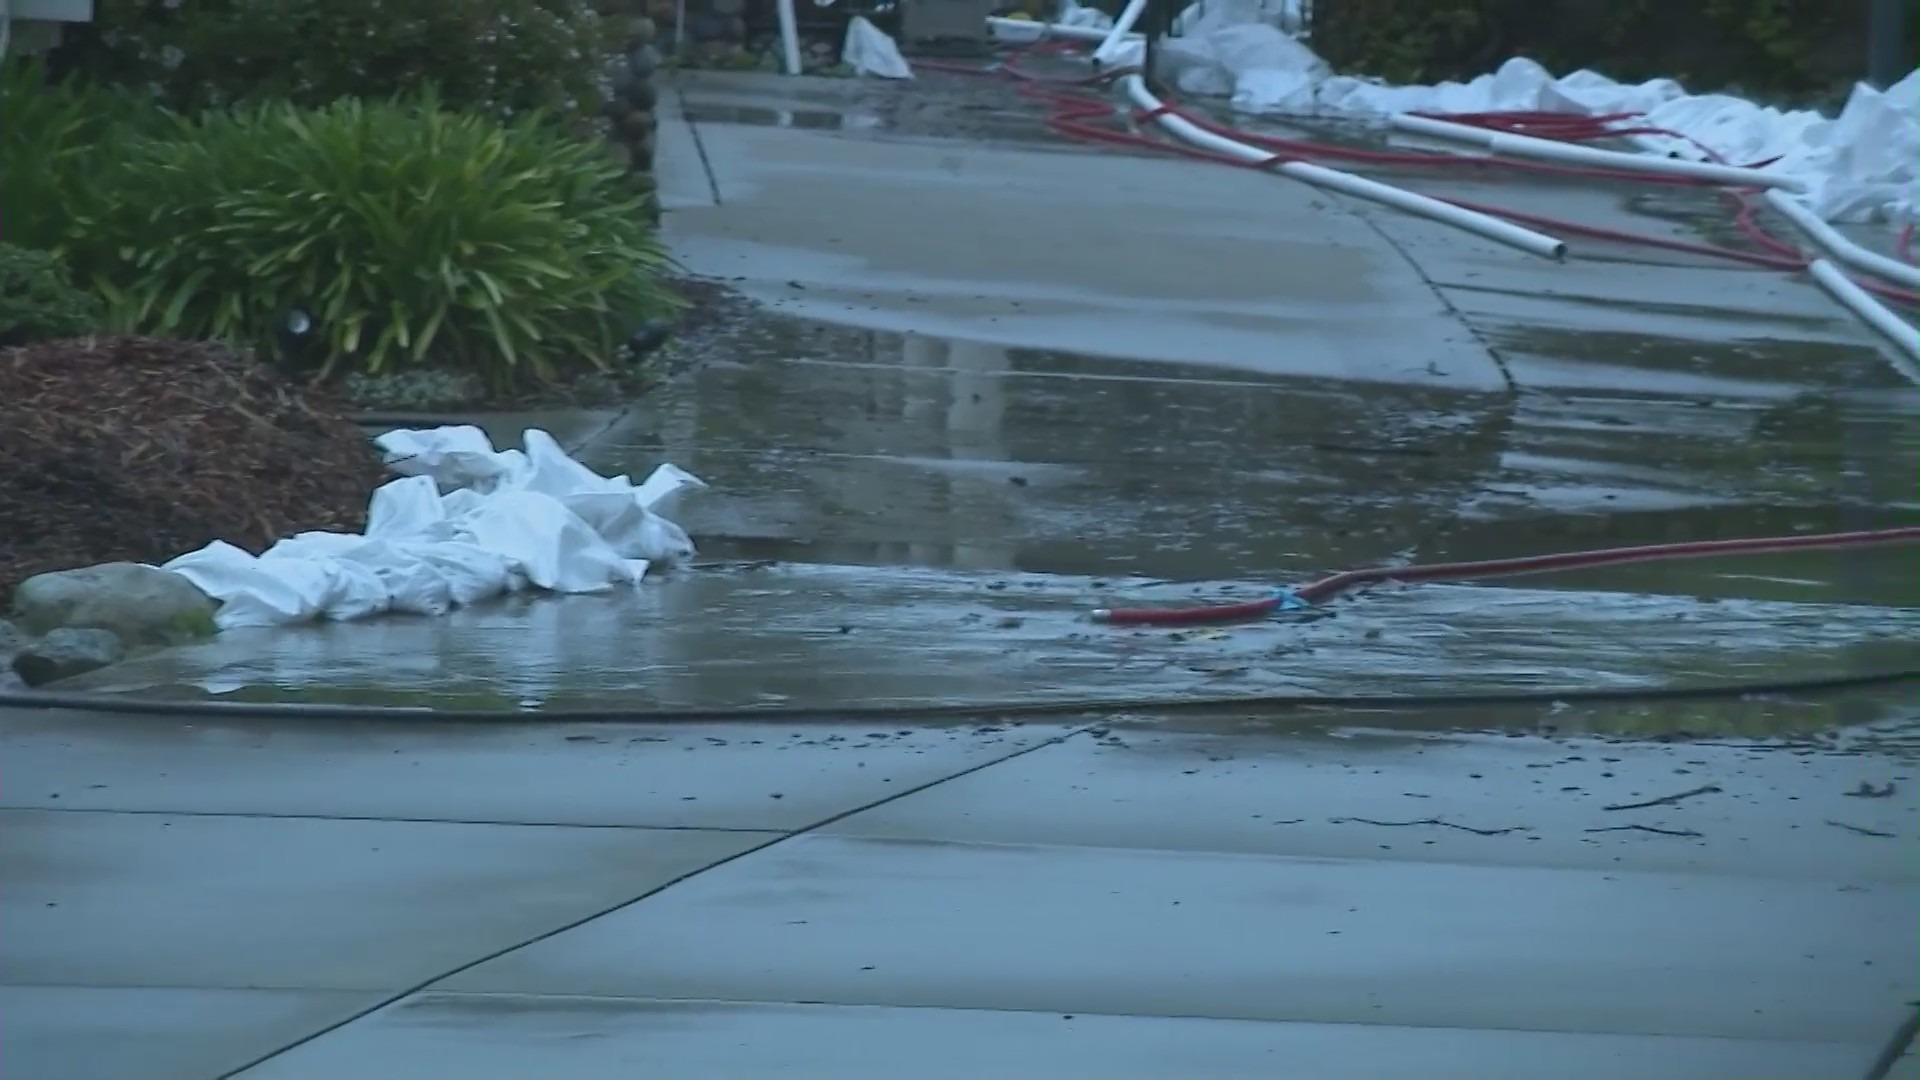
(789, 35)
(1121, 31)
(1871, 311)
(1346, 184)
(1501, 144)
(1018, 29)
(1840, 247)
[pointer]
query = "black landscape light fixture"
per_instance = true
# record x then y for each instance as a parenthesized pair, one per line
(293, 336)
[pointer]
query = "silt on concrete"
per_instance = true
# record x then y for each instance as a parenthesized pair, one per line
(639, 776)
(799, 636)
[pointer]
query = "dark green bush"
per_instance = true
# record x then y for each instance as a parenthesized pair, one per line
(415, 236)
(37, 302)
(1799, 49)
(497, 56)
(50, 134)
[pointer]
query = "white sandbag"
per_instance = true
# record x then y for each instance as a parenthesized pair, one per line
(869, 51)
(466, 523)
(1255, 65)
(1089, 18)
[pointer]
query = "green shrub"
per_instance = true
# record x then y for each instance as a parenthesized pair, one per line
(1799, 49)
(497, 56)
(413, 235)
(50, 136)
(37, 302)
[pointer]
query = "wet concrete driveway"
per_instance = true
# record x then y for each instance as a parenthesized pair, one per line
(184, 899)
(973, 412)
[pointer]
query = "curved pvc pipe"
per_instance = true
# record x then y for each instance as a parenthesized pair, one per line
(1839, 246)
(1329, 587)
(1121, 31)
(1346, 184)
(1871, 311)
(1524, 146)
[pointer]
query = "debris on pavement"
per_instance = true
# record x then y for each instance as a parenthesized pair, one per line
(1654, 829)
(1869, 791)
(1667, 800)
(1437, 822)
(137, 449)
(1862, 830)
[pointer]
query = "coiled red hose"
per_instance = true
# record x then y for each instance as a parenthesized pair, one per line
(1329, 587)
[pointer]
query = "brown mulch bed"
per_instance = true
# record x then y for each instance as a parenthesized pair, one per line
(124, 448)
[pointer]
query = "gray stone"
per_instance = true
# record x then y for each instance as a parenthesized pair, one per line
(67, 652)
(141, 605)
(641, 30)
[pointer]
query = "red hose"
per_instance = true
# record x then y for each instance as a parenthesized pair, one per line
(1329, 587)
(1078, 115)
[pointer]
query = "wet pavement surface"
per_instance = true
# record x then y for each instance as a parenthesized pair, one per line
(1364, 902)
(970, 412)
(819, 636)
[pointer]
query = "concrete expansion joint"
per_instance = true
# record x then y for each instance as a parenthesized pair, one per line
(1097, 730)
(1453, 310)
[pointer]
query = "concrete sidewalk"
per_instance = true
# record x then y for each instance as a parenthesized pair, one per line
(1091, 902)
(1326, 894)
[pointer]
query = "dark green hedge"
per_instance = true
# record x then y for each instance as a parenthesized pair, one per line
(497, 56)
(1797, 49)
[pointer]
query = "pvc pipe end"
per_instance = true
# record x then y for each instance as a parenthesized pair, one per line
(1100, 615)
(1559, 253)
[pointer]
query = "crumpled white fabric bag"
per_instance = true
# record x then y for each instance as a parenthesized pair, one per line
(869, 51)
(463, 523)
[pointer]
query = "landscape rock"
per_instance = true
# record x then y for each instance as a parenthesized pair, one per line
(140, 605)
(67, 652)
